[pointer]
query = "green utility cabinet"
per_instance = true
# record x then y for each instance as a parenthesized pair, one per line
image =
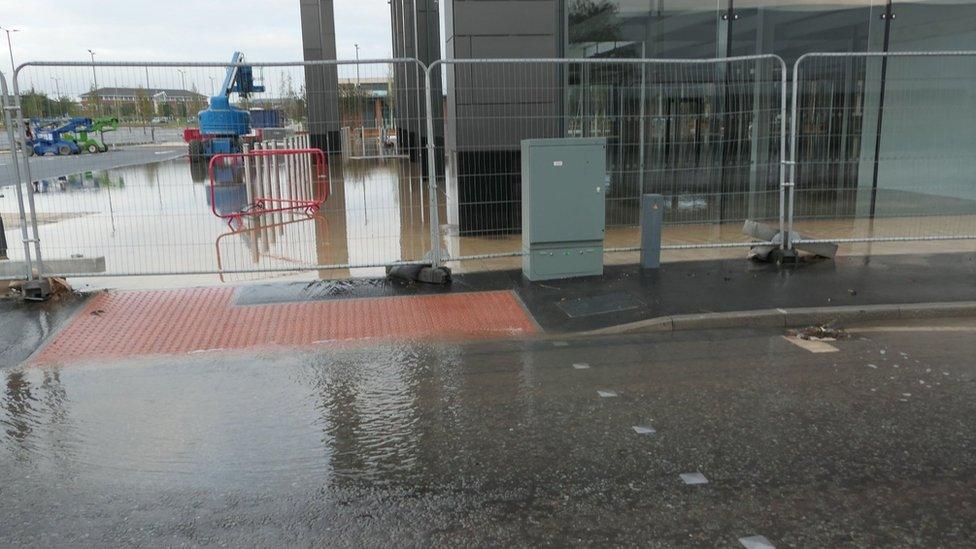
(563, 211)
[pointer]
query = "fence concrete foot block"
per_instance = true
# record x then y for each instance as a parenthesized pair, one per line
(420, 273)
(37, 290)
(75, 265)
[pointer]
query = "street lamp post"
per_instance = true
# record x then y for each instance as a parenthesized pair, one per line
(357, 64)
(57, 91)
(94, 83)
(183, 82)
(362, 123)
(10, 48)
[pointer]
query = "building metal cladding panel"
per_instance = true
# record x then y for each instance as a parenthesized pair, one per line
(563, 191)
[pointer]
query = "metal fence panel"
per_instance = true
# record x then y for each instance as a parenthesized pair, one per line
(708, 134)
(881, 147)
(13, 212)
(148, 209)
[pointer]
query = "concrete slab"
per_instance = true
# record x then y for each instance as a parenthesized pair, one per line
(89, 265)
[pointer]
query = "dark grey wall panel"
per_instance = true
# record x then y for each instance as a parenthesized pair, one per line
(321, 83)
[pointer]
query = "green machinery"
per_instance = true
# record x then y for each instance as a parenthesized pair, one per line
(85, 136)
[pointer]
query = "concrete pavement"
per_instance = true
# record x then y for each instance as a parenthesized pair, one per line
(504, 443)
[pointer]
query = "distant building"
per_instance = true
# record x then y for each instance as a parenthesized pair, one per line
(371, 107)
(129, 95)
(165, 101)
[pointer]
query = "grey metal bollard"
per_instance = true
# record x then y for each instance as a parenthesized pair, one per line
(3, 240)
(652, 219)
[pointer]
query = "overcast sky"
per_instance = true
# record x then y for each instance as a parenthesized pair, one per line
(182, 30)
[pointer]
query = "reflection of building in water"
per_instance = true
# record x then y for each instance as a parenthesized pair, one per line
(32, 407)
(707, 130)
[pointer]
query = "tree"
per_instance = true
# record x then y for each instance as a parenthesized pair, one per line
(144, 106)
(593, 21)
(352, 102)
(196, 102)
(67, 106)
(292, 102)
(36, 104)
(94, 103)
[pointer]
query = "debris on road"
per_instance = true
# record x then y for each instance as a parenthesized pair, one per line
(826, 332)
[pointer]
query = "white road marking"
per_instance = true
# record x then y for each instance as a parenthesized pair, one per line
(756, 542)
(644, 430)
(812, 346)
(607, 394)
(694, 478)
(581, 366)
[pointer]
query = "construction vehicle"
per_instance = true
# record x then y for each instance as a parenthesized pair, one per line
(83, 136)
(48, 137)
(222, 126)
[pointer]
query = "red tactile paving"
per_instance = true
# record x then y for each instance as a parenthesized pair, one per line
(134, 323)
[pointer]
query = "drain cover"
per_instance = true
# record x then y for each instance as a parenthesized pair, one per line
(599, 304)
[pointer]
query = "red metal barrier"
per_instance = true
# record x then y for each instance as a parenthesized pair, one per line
(262, 205)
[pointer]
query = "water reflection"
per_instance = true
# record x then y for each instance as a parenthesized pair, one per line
(378, 415)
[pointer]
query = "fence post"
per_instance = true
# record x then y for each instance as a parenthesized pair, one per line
(435, 243)
(28, 182)
(782, 154)
(794, 125)
(12, 137)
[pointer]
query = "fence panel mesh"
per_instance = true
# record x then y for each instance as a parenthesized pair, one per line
(706, 134)
(15, 254)
(882, 147)
(156, 206)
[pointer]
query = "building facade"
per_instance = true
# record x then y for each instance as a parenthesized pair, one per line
(321, 82)
(683, 133)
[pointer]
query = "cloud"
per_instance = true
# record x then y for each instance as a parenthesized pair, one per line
(184, 30)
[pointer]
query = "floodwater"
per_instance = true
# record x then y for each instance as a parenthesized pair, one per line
(201, 422)
(161, 217)
(498, 443)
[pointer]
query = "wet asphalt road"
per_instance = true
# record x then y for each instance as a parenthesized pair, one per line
(52, 167)
(503, 443)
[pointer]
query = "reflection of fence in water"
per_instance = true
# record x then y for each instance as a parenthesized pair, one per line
(259, 245)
